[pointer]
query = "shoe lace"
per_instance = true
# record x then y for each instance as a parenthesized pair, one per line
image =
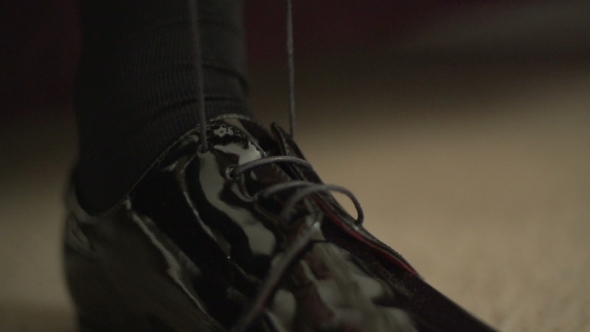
(302, 243)
(304, 188)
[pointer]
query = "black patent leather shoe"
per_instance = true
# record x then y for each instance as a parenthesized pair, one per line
(242, 237)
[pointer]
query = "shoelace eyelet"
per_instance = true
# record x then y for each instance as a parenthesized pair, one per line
(229, 172)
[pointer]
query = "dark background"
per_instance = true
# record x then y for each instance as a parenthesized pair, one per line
(40, 40)
(461, 126)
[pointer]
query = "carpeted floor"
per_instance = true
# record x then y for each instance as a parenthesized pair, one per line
(476, 170)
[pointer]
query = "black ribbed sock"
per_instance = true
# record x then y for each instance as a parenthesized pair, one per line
(135, 91)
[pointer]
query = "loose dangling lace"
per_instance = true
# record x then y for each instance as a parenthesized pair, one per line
(291, 68)
(304, 188)
(198, 61)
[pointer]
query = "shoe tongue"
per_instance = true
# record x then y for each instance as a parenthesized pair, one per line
(275, 143)
(256, 134)
(286, 144)
(288, 147)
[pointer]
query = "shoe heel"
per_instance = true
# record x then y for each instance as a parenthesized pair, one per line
(100, 306)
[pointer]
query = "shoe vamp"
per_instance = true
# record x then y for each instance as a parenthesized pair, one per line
(331, 290)
(328, 290)
(250, 232)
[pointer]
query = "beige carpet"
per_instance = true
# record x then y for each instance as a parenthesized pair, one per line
(476, 170)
